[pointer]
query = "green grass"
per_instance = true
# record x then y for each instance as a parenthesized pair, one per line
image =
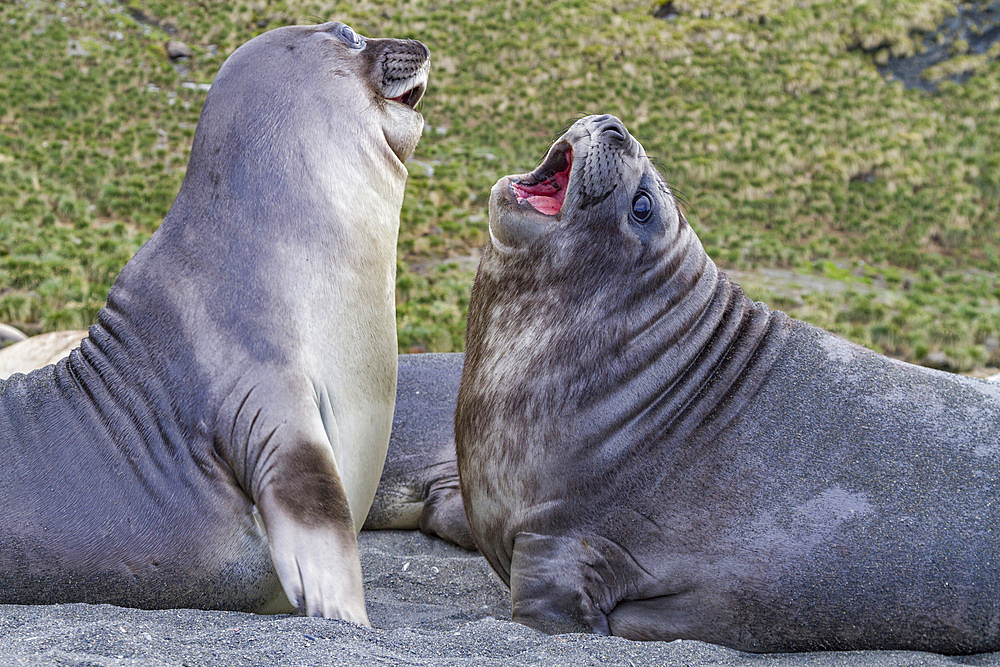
(768, 116)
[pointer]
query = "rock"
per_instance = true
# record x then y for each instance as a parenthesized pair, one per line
(177, 50)
(970, 32)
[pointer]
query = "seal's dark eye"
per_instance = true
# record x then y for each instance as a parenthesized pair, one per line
(351, 38)
(642, 207)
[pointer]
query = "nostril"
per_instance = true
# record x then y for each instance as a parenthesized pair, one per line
(614, 129)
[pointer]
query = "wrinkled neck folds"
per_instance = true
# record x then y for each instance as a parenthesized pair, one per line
(612, 367)
(685, 359)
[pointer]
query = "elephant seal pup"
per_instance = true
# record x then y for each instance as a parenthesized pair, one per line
(419, 486)
(645, 452)
(37, 351)
(245, 363)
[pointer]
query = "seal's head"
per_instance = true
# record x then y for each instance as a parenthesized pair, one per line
(312, 109)
(332, 70)
(595, 189)
(581, 244)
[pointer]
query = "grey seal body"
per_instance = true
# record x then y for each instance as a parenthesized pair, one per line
(217, 438)
(419, 486)
(645, 452)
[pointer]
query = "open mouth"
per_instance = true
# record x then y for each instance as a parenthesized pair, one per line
(411, 96)
(545, 188)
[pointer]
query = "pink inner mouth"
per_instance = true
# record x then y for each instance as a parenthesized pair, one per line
(546, 196)
(410, 97)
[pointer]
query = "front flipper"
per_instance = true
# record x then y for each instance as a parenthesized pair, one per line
(281, 455)
(311, 533)
(557, 585)
(663, 618)
(444, 514)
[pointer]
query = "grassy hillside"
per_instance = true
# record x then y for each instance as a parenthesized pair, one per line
(834, 194)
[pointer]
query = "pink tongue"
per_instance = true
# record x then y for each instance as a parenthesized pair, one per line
(548, 196)
(546, 205)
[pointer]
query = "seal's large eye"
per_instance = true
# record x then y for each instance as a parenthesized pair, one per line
(642, 207)
(351, 38)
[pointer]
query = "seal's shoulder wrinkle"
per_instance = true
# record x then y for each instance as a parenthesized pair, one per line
(753, 350)
(731, 349)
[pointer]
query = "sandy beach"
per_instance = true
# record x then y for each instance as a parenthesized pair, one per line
(430, 604)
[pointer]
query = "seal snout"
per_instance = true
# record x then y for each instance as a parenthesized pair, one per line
(405, 66)
(545, 188)
(610, 132)
(399, 73)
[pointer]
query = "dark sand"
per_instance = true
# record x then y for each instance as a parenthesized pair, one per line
(429, 603)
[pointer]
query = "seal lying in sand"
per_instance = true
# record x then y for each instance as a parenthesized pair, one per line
(241, 377)
(645, 452)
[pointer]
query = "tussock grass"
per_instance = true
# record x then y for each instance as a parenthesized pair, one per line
(770, 116)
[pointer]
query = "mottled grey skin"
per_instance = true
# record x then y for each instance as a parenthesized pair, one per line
(242, 374)
(419, 486)
(647, 453)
